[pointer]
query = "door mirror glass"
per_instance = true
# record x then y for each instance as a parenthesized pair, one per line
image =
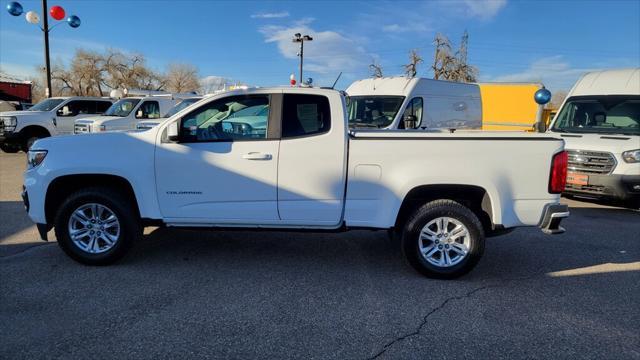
(140, 114)
(64, 111)
(410, 122)
(172, 131)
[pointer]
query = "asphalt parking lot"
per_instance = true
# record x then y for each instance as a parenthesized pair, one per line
(189, 294)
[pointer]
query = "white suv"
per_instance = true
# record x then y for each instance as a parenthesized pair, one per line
(126, 113)
(50, 117)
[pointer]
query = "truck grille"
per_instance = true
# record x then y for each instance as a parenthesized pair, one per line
(81, 129)
(1, 127)
(591, 162)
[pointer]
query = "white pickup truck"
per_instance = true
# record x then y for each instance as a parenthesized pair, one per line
(295, 165)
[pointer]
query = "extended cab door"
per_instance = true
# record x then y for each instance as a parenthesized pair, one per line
(312, 161)
(224, 168)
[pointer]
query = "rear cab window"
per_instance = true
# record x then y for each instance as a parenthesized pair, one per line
(305, 115)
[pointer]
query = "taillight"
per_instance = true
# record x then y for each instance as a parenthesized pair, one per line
(558, 178)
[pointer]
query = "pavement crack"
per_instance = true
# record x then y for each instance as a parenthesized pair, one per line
(425, 319)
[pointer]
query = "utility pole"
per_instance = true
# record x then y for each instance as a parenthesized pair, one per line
(47, 63)
(298, 38)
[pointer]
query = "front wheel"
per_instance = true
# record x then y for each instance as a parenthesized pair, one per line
(443, 239)
(9, 149)
(96, 226)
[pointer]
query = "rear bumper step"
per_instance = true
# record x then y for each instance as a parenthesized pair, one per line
(553, 215)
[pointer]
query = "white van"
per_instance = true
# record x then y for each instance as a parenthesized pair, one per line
(126, 113)
(401, 102)
(600, 123)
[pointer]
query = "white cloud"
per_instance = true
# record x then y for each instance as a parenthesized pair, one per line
(276, 15)
(211, 83)
(329, 53)
(484, 9)
(412, 27)
(554, 72)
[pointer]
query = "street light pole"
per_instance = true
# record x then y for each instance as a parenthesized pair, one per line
(301, 39)
(47, 63)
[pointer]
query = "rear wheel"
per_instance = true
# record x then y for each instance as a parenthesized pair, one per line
(96, 226)
(443, 239)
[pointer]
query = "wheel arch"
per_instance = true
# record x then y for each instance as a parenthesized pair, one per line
(34, 130)
(61, 187)
(475, 197)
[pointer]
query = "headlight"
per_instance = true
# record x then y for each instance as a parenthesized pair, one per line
(631, 156)
(35, 157)
(10, 122)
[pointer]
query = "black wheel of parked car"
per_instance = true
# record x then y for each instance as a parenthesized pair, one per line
(9, 149)
(96, 226)
(443, 239)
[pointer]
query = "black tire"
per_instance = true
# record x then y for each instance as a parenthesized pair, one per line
(9, 149)
(433, 210)
(130, 227)
(28, 141)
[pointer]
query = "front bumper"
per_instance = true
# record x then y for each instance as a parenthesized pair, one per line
(9, 138)
(43, 229)
(553, 215)
(621, 187)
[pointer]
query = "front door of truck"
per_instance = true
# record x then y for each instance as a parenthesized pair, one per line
(224, 168)
(68, 113)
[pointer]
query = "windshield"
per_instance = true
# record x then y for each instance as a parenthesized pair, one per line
(605, 114)
(373, 111)
(181, 105)
(122, 107)
(46, 105)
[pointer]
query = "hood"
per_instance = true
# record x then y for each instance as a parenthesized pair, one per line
(22, 113)
(97, 119)
(152, 121)
(600, 142)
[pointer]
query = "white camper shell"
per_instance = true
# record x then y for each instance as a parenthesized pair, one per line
(386, 103)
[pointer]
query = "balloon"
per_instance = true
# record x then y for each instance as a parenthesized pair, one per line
(14, 8)
(33, 17)
(57, 12)
(542, 96)
(73, 21)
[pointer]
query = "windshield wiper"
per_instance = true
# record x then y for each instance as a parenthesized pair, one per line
(364, 124)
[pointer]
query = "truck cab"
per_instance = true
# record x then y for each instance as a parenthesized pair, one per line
(600, 124)
(50, 117)
(385, 103)
(126, 113)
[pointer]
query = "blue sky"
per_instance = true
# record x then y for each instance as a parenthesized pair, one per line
(549, 41)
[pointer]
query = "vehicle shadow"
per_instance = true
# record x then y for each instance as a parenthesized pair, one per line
(14, 219)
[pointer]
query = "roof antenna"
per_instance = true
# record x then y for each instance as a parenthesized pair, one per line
(335, 82)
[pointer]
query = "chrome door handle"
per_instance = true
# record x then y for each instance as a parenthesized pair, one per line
(256, 156)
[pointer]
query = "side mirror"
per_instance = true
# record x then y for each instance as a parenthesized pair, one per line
(410, 122)
(64, 111)
(139, 114)
(173, 133)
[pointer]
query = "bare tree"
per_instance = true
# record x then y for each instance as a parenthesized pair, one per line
(376, 69)
(411, 69)
(449, 66)
(182, 78)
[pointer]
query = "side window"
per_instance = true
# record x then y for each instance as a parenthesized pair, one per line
(148, 110)
(227, 119)
(413, 108)
(76, 107)
(304, 115)
(102, 106)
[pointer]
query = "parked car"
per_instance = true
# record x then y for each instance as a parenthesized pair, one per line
(126, 113)
(148, 124)
(385, 103)
(600, 123)
(50, 117)
(291, 162)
